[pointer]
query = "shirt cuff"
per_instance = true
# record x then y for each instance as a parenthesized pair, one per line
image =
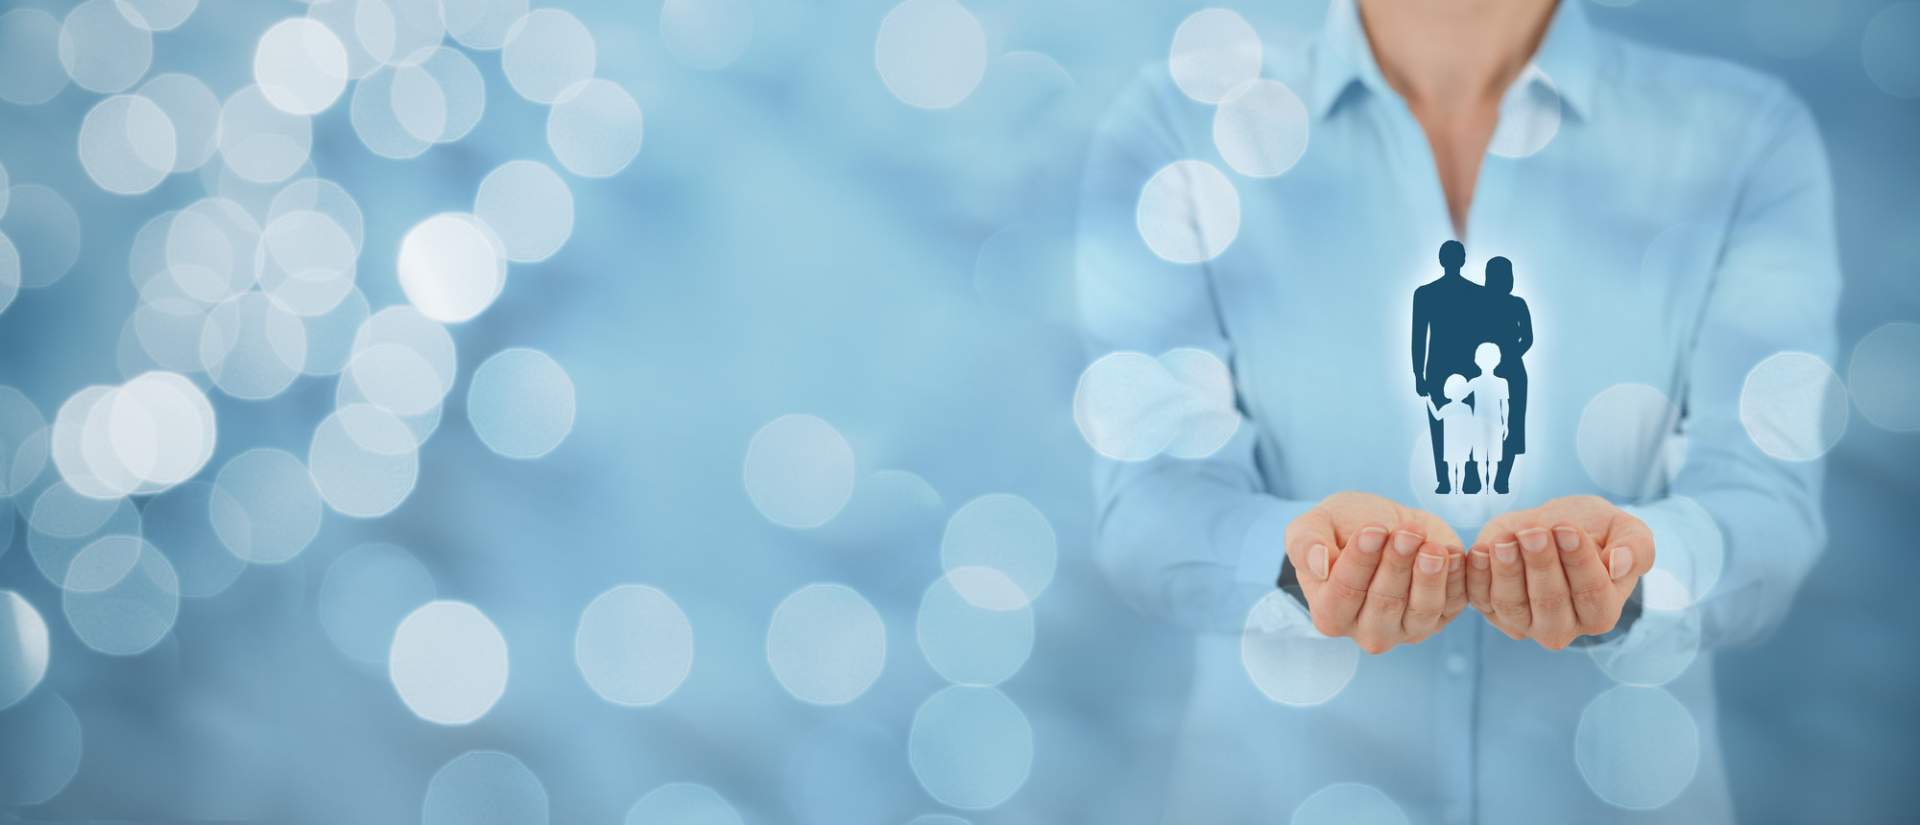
(1262, 527)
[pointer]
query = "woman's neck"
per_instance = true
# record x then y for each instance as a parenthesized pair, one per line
(1450, 55)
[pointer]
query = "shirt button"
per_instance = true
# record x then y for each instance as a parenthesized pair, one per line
(1456, 664)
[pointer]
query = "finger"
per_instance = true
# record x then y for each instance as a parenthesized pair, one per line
(1595, 610)
(1428, 595)
(1508, 592)
(1629, 553)
(1480, 579)
(1311, 529)
(1338, 607)
(1553, 623)
(1456, 585)
(1381, 620)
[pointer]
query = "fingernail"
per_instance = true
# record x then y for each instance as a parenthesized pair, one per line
(1506, 551)
(1455, 562)
(1567, 537)
(1533, 539)
(1480, 561)
(1429, 563)
(1405, 542)
(1317, 561)
(1372, 539)
(1619, 561)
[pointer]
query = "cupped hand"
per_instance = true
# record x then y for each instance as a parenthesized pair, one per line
(1558, 571)
(1378, 572)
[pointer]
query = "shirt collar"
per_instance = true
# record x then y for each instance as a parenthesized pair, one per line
(1564, 64)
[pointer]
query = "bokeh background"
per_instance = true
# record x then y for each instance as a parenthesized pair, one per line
(451, 411)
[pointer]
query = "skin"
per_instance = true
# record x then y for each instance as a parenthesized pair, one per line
(1551, 573)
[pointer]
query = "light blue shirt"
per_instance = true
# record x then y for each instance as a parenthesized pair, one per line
(1673, 231)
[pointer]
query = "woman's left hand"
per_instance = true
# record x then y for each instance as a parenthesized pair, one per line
(1558, 571)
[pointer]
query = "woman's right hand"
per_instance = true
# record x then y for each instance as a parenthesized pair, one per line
(1383, 574)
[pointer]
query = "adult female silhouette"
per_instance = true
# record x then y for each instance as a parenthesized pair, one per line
(1509, 325)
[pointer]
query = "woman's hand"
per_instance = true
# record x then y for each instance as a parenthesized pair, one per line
(1381, 573)
(1558, 571)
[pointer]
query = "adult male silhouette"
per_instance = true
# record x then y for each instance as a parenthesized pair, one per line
(1447, 326)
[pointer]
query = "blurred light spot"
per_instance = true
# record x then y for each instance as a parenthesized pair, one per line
(375, 117)
(305, 261)
(398, 32)
(9, 269)
(547, 55)
(300, 66)
(706, 34)
(63, 522)
(937, 819)
(327, 198)
(1637, 747)
(45, 232)
(1659, 647)
(367, 591)
(1790, 28)
(597, 130)
(970, 747)
(342, 16)
(121, 596)
(252, 347)
(1205, 404)
(1694, 558)
(1623, 432)
(259, 142)
(1289, 662)
(481, 24)
(826, 644)
(39, 750)
(440, 99)
(24, 442)
(682, 803)
(167, 325)
(1887, 50)
(194, 113)
(448, 663)
(451, 267)
(127, 144)
(210, 249)
(1793, 406)
(484, 788)
(330, 334)
(1188, 212)
(157, 15)
(969, 644)
(30, 64)
(799, 471)
(161, 429)
(270, 510)
(179, 522)
(395, 378)
(1348, 803)
(528, 206)
(1529, 117)
(1214, 51)
(930, 53)
(1261, 128)
(101, 50)
(405, 327)
(1004, 532)
(363, 460)
(521, 403)
(24, 648)
(889, 509)
(1882, 377)
(634, 646)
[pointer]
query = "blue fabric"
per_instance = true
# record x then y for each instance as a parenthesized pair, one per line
(1675, 231)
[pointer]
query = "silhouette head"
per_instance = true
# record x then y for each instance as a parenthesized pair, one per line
(1500, 275)
(1487, 356)
(1452, 255)
(1455, 388)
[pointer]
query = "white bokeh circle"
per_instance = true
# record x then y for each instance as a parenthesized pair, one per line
(1188, 212)
(1260, 128)
(634, 645)
(1003, 532)
(1793, 406)
(930, 53)
(521, 403)
(1622, 438)
(799, 471)
(1637, 747)
(970, 747)
(826, 644)
(1883, 379)
(1287, 661)
(451, 267)
(448, 662)
(1214, 51)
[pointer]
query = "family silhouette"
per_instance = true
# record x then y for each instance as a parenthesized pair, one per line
(1468, 343)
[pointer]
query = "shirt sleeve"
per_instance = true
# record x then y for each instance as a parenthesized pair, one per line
(1196, 541)
(1740, 529)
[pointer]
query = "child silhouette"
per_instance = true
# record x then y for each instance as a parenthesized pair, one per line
(1456, 428)
(1489, 416)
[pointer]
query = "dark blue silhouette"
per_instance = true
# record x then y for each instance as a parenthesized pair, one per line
(1452, 317)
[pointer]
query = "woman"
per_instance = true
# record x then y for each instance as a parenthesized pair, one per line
(1507, 316)
(1514, 126)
